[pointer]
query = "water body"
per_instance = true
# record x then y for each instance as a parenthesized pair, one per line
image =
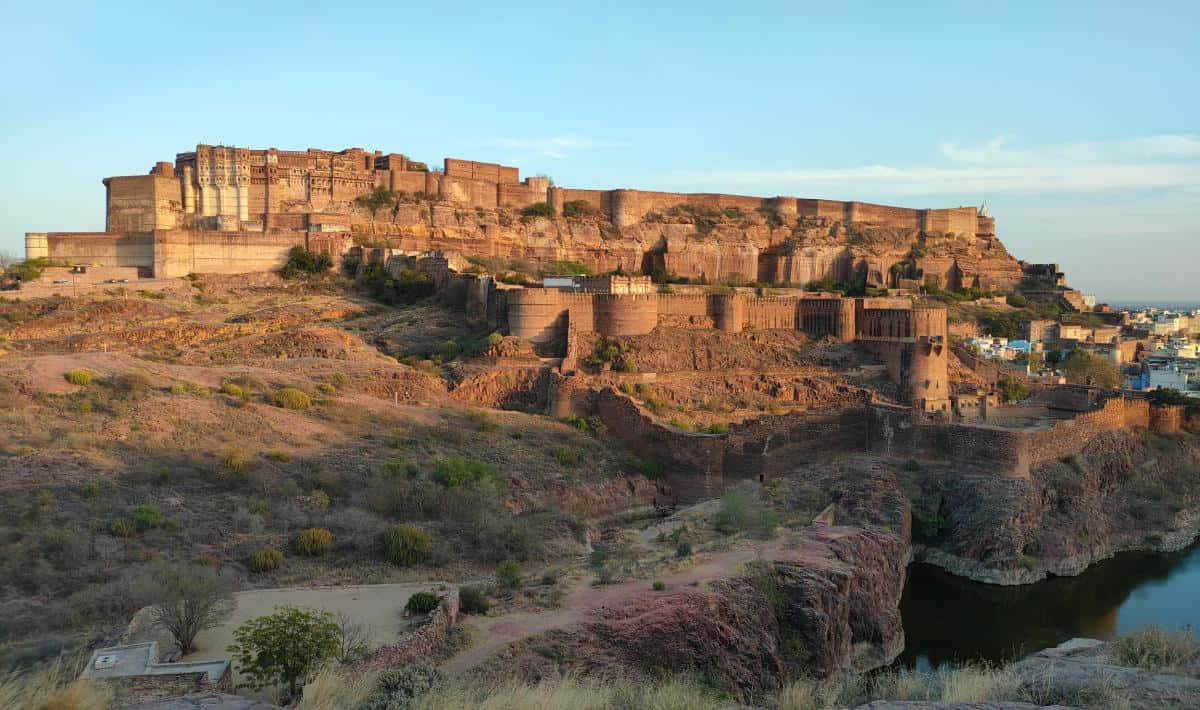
(950, 620)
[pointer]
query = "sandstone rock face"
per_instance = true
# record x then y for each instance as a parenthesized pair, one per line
(720, 246)
(1124, 491)
(843, 588)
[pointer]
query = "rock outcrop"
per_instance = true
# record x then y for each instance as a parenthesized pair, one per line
(1127, 490)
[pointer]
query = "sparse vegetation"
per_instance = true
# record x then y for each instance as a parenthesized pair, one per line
(1155, 648)
(538, 209)
(473, 600)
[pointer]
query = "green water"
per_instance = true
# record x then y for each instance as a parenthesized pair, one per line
(949, 620)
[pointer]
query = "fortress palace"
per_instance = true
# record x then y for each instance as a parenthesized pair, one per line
(221, 209)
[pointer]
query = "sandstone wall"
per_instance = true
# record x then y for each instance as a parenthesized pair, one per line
(101, 249)
(691, 462)
(182, 252)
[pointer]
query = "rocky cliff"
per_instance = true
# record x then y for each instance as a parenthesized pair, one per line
(1126, 490)
(728, 244)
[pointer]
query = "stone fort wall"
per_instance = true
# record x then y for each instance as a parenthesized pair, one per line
(231, 189)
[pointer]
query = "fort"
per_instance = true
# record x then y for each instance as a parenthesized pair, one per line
(220, 209)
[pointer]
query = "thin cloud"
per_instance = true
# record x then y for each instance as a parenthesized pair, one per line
(996, 166)
(557, 146)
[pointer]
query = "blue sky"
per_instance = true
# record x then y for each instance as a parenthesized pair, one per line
(1077, 123)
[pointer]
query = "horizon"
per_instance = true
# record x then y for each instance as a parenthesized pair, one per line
(1050, 123)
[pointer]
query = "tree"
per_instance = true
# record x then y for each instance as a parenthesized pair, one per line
(376, 200)
(1012, 389)
(190, 600)
(285, 647)
(1084, 368)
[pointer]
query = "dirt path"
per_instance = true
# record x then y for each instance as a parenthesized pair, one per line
(491, 633)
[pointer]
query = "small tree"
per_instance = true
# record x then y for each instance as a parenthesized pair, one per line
(1012, 389)
(285, 647)
(376, 200)
(1084, 368)
(191, 599)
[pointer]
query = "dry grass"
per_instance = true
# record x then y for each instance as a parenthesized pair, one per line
(1154, 648)
(331, 690)
(54, 687)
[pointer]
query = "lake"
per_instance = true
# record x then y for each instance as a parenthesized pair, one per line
(948, 619)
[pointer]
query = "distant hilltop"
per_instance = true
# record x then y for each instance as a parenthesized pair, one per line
(227, 210)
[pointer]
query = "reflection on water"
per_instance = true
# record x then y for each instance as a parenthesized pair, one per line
(948, 619)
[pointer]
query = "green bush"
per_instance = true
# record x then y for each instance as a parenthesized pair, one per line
(565, 455)
(292, 398)
(266, 559)
(406, 544)
(314, 542)
(83, 378)
(508, 575)
(538, 209)
(1012, 389)
(683, 549)
(302, 261)
(146, 517)
(233, 390)
(422, 603)
(454, 471)
(472, 600)
(658, 586)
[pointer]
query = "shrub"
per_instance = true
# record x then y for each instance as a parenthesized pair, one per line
(472, 600)
(146, 517)
(683, 549)
(318, 499)
(233, 390)
(658, 586)
(550, 577)
(911, 465)
(266, 559)
(538, 209)
(454, 471)
(234, 460)
(565, 455)
(422, 603)
(83, 378)
(508, 575)
(122, 527)
(314, 542)
(292, 398)
(302, 261)
(406, 544)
